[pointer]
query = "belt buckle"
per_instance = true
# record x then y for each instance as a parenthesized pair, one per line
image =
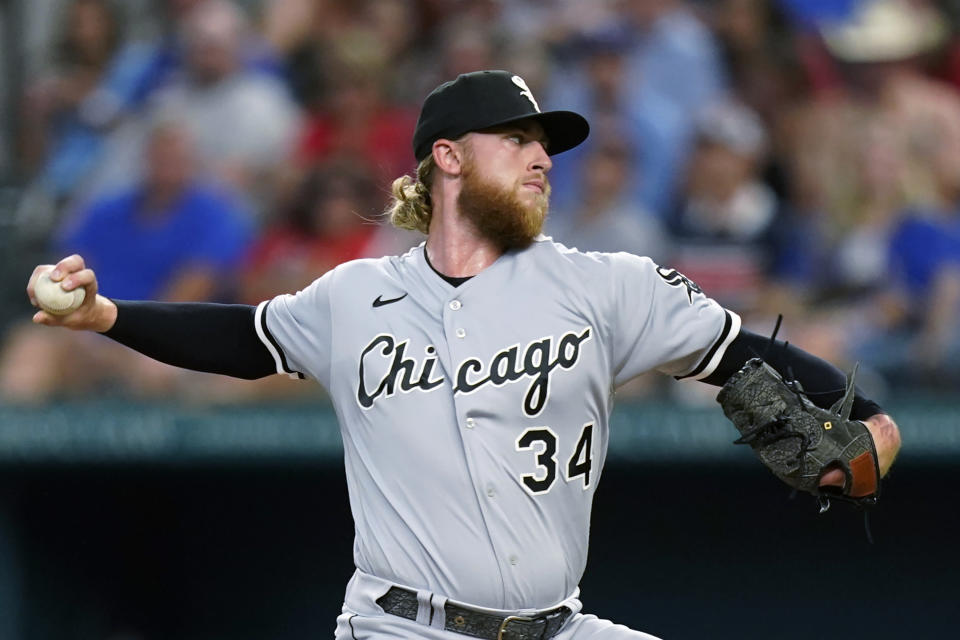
(508, 620)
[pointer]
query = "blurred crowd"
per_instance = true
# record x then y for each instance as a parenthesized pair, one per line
(791, 157)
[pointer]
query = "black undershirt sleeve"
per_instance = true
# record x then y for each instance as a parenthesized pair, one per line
(823, 382)
(203, 336)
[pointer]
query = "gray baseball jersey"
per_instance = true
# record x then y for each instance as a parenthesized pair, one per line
(475, 418)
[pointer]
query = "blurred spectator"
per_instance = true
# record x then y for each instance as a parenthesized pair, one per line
(917, 334)
(860, 154)
(170, 238)
(673, 74)
(288, 26)
(459, 44)
(436, 13)
(244, 123)
(678, 57)
(68, 113)
(608, 218)
(358, 123)
(875, 159)
(535, 35)
(807, 13)
(595, 86)
(316, 38)
(57, 105)
(553, 22)
(660, 65)
(725, 220)
(165, 57)
(761, 57)
(99, 79)
(919, 341)
(331, 221)
(845, 209)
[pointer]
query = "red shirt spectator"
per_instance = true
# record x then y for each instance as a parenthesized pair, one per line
(331, 222)
(358, 124)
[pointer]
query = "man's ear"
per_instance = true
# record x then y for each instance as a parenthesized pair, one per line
(448, 156)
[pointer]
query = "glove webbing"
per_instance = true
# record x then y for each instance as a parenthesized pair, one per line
(770, 432)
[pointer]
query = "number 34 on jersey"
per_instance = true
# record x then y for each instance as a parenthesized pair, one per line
(544, 443)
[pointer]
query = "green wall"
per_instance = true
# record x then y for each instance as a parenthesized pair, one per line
(205, 524)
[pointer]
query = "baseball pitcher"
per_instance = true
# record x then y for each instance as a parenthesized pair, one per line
(473, 379)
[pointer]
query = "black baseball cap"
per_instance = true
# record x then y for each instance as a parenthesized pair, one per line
(483, 99)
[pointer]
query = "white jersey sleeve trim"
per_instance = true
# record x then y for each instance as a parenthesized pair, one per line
(260, 322)
(710, 361)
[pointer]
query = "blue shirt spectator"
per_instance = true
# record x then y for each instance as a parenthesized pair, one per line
(137, 257)
(917, 341)
(919, 248)
(168, 237)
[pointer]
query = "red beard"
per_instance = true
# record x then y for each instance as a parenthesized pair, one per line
(498, 213)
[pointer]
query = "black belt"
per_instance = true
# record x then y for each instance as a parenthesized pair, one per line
(403, 602)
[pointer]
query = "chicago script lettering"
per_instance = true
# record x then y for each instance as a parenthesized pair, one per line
(537, 361)
(399, 366)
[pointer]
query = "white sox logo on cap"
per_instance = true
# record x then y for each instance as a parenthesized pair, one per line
(517, 80)
(483, 99)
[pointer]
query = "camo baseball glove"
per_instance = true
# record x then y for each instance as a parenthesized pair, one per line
(799, 441)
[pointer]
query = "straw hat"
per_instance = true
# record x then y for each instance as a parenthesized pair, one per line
(884, 31)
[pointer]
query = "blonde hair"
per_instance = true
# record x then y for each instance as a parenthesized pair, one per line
(411, 207)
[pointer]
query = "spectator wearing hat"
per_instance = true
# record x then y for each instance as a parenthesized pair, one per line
(727, 223)
(863, 155)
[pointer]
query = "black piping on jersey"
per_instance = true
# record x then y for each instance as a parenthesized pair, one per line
(727, 325)
(276, 345)
(353, 632)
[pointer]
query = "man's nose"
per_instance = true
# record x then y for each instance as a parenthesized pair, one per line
(541, 161)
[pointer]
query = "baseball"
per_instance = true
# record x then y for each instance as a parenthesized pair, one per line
(53, 299)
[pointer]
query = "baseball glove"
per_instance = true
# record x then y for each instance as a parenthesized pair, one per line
(798, 440)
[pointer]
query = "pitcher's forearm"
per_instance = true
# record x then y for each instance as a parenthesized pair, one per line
(203, 336)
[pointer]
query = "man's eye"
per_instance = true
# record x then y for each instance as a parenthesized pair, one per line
(516, 137)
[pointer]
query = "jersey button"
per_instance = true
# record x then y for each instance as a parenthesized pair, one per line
(491, 492)
(514, 560)
(471, 423)
(455, 305)
(461, 333)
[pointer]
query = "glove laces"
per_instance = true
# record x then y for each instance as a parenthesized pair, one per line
(774, 431)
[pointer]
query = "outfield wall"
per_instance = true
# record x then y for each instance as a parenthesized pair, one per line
(121, 521)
